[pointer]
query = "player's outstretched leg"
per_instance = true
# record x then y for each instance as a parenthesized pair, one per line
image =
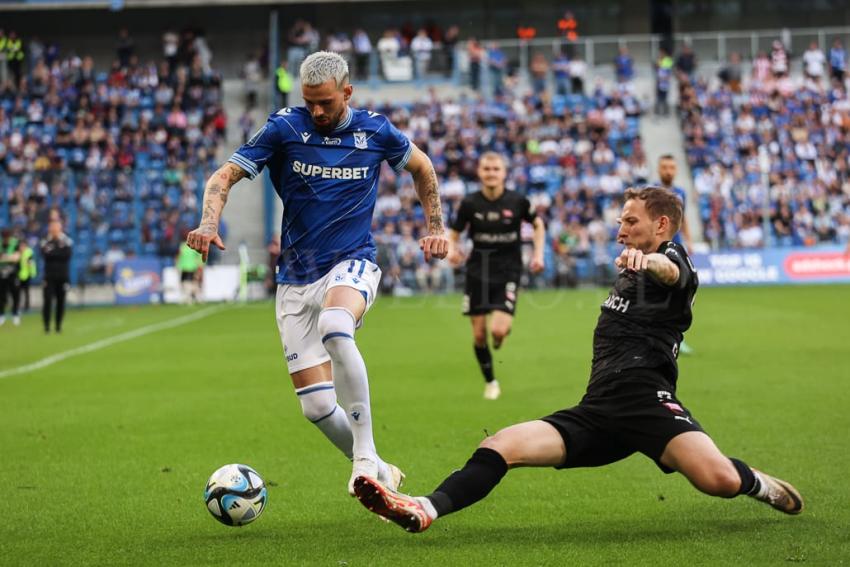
(406, 511)
(530, 444)
(776, 492)
(336, 327)
(696, 456)
(474, 481)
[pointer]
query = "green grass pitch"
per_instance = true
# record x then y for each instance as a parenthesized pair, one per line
(104, 455)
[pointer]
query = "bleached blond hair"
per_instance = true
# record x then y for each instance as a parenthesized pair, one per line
(322, 66)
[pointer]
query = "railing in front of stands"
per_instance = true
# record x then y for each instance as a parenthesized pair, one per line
(709, 46)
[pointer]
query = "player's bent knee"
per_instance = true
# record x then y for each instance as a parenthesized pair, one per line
(318, 405)
(503, 444)
(335, 322)
(499, 333)
(717, 480)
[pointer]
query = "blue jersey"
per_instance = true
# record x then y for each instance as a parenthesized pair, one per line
(328, 184)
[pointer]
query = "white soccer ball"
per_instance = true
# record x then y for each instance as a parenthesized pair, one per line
(235, 495)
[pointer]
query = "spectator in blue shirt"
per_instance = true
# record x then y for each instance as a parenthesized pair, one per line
(497, 62)
(624, 65)
(837, 60)
(561, 72)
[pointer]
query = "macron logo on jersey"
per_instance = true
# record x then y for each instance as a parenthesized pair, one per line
(325, 172)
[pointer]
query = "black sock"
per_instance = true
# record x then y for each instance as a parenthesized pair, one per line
(481, 473)
(749, 482)
(485, 361)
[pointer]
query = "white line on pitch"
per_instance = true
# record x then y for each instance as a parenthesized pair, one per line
(103, 343)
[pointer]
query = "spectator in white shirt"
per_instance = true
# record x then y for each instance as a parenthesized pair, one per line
(362, 52)
(815, 62)
(421, 47)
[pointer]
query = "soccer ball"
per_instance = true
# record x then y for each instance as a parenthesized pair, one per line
(235, 495)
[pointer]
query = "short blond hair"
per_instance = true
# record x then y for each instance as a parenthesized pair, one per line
(493, 155)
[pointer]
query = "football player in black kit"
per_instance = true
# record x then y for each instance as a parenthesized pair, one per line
(630, 404)
(494, 218)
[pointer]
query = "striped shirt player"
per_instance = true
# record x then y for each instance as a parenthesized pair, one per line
(324, 161)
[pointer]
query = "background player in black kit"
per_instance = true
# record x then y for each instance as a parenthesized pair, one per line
(494, 217)
(630, 405)
(56, 251)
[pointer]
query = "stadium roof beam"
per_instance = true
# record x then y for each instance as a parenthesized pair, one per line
(35, 5)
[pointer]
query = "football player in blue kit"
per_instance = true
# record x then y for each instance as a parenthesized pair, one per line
(324, 160)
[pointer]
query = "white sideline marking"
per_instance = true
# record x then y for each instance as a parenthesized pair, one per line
(103, 343)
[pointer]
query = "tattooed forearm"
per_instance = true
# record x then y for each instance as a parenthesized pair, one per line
(233, 172)
(662, 268)
(216, 192)
(429, 195)
(220, 192)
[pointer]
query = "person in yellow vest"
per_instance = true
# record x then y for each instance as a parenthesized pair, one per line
(4, 69)
(15, 55)
(190, 264)
(284, 84)
(26, 274)
(9, 257)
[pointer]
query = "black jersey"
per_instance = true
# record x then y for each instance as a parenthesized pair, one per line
(57, 258)
(494, 227)
(643, 320)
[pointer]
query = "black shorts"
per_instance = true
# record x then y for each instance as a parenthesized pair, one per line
(481, 297)
(187, 276)
(633, 414)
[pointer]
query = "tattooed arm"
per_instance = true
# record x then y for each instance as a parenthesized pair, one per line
(425, 179)
(215, 196)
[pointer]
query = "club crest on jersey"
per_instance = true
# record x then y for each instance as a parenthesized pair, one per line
(360, 141)
(256, 136)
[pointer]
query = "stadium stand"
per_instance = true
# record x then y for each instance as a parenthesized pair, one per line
(572, 155)
(122, 153)
(800, 127)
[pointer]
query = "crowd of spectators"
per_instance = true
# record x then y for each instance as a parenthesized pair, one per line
(402, 53)
(71, 132)
(120, 152)
(572, 155)
(771, 150)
